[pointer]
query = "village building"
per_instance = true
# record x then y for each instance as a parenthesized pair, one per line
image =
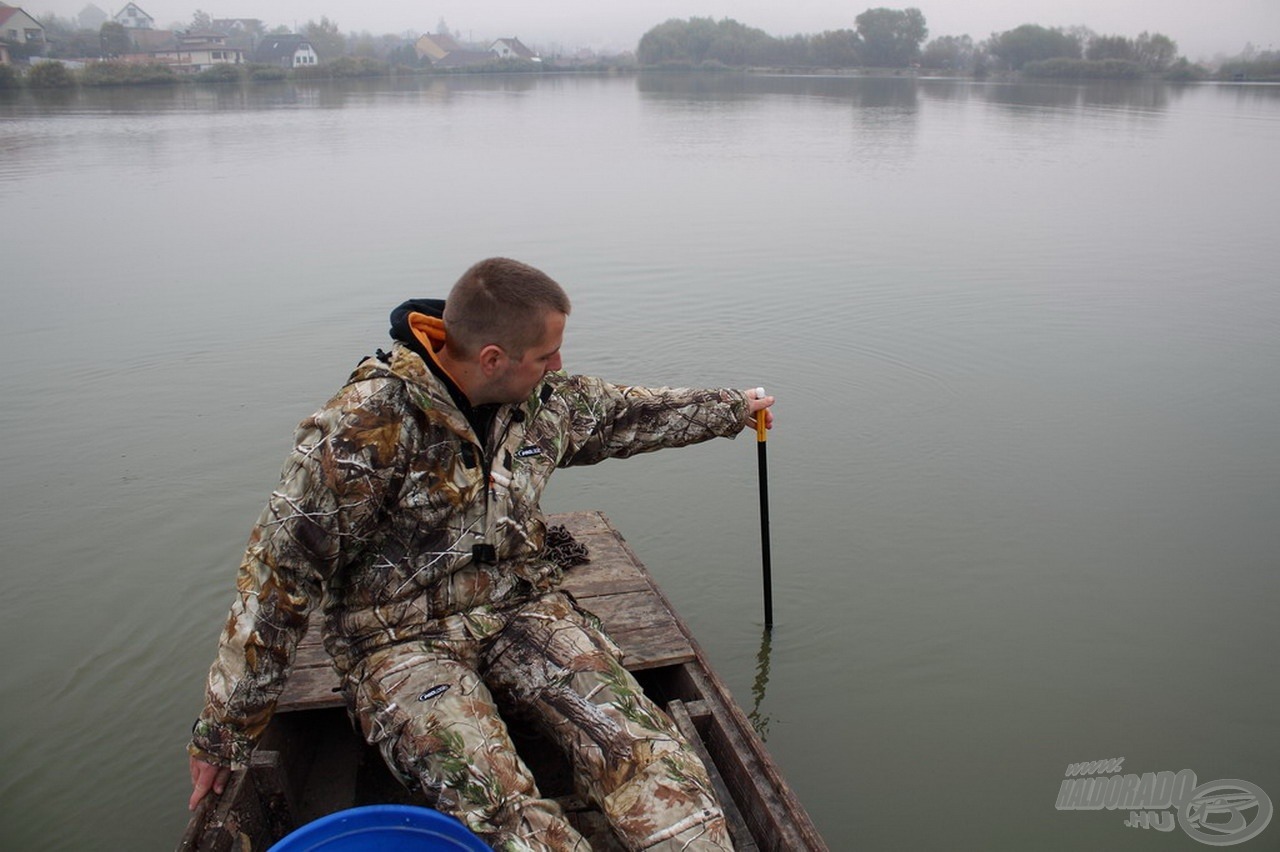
(232, 26)
(149, 41)
(91, 18)
(464, 59)
(435, 46)
(200, 52)
(512, 48)
(443, 51)
(21, 34)
(244, 33)
(286, 51)
(131, 17)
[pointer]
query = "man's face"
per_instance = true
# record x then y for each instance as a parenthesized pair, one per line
(521, 376)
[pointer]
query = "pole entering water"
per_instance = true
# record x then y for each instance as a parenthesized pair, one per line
(762, 457)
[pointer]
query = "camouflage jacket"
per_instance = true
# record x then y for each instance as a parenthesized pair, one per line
(392, 513)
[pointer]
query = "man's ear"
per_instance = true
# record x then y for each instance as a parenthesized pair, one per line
(491, 358)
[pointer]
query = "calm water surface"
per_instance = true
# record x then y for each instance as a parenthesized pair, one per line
(1025, 338)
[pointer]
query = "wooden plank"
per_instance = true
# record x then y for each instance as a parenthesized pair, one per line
(237, 820)
(603, 576)
(582, 523)
(737, 826)
(196, 830)
(313, 639)
(310, 688)
(270, 777)
(750, 773)
(311, 655)
(652, 647)
(610, 571)
(630, 611)
(647, 633)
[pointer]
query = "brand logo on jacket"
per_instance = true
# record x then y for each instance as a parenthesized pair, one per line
(526, 452)
(434, 692)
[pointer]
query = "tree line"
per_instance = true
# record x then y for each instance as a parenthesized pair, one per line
(878, 38)
(896, 39)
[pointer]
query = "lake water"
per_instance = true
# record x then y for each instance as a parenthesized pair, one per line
(1025, 479)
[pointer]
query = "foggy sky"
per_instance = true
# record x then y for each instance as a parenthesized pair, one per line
(1200, 27)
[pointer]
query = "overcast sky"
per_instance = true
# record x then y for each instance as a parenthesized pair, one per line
(1201, 27)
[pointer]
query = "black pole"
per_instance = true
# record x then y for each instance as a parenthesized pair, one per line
(762, 457)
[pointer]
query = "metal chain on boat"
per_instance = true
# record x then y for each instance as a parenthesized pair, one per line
(563, 549)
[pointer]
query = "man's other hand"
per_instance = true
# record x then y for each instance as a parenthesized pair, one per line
(204, 777)
(757, 401)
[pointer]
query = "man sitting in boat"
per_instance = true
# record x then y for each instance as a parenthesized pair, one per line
(409, 511)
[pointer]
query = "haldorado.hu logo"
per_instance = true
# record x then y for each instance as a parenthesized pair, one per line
(1219, 813)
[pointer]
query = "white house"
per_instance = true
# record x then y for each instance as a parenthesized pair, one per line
(285, 51)
(131, 17)
(512, 48)
(200, 52)
(18, 29)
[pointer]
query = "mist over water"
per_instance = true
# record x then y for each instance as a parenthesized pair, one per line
(1025, 341)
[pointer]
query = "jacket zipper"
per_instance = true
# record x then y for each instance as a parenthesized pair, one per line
(490, 492)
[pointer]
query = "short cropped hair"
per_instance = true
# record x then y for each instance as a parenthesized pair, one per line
(501, 301)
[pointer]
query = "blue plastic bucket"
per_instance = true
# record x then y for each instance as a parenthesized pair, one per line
(386, 828)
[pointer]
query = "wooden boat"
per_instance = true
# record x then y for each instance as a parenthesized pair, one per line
(311, 762)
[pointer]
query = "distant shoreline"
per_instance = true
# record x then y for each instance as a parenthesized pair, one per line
(55, 75)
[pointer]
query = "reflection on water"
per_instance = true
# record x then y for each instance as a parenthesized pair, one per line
(866, 92)
(947, 89)
(148, 100)
(898, 93)
(1026, 361)
(1252, 91)
(1140, 97)
(760, 720)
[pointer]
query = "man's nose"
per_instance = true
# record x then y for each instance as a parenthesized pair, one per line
(554, 364)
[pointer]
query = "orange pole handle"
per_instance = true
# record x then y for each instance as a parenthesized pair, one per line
(762, 431)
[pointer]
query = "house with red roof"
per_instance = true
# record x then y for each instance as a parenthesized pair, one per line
(21, 34)
(436, 46)
(443, 51)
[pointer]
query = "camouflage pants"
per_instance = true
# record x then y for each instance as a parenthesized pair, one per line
(429, 707)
